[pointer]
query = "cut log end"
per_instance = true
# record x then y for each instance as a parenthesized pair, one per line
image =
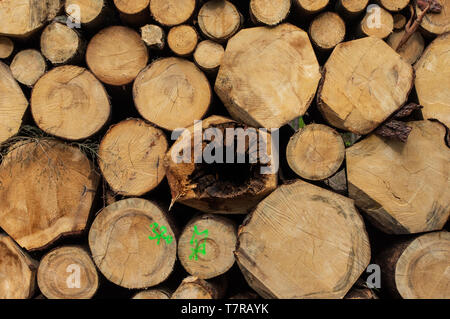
(116, 55)
(269, 12)
(28, 66)
(131, 6)
(153, 36)
(377, 22)
(399, 21)
(310, 7)
(172, 12)
(61, 44)
(219, 20)
(182, 40)
(315, 152)
(172, 93)
(69, 102)
(352, 8)
(218, 247)
(435, 24)
(112, 245)
(208, 56)
(18, 271)
(412, 49)
(131, 157)
(67, 273)
(195, 288)
(327, 30)
(394, 5)
(152, 294)
(90, 12)
(6, 47)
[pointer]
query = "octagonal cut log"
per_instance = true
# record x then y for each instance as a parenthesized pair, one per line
(364, 81)
(268, 76)
(403, 188)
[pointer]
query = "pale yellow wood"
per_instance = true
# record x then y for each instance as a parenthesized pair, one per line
(21, 18)
(152, 294)
(69, 102)
(17, 271)
(219, 20)
(432, 80)
(399, 21)
(172, 12)
(219, 246)
(195, 288)
(311, 6)
(59, 43)
(269, 12)
(208, 55)
(394, 5)
(6, 47)
(131, 6)
(153, 36)
(116, 55)
(364, 82)
(182, 40)
(403, 187)
(373, 26)
(225, 195)
(423, 269)
(67, 272)
(412, 50)
(303, 241)
(268, 76)
(172, 93)
(13, 104)
(47, 191)
(315, 152)
(437, 23)
(353, 7)
(131, 157)
(89, 10)
(327, 30)
(121, 248)
(28, 66)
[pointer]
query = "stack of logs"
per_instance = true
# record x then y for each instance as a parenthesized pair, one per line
(97, 96)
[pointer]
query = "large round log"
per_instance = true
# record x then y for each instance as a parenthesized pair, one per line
(303, 241)
(232, 181)
(432, 84)
(131, 157)
(17, 271)
(69, 102)
(47, 191)
(13, 104)
(418, 268)
(122, 248)
(268, 76)
(403, 188)
(172, 93)
(364, 81)
(116, 55)
(67, 272)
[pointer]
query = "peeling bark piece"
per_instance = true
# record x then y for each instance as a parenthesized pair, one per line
(224, 187)
(21, 18)
(403, 188)
(303, 241)
(218, 246)
(268, 76)
(121, 247)
(436, 23)
(67, 273)
(432, 84)
(418, 268)
(131, 157)
(195, 288)
(364, 82)
(395, 129)
(412, 49)
(69, 102)
(13, 104)
(47, 191)
(17, 271)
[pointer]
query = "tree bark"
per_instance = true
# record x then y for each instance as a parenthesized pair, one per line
(18, 280)
(329, 246)
(315, 152)
(131, 157)
(28, 66)
(133, 261)
(67, 272)
(172, 93)
(47, 191)
(69, 102)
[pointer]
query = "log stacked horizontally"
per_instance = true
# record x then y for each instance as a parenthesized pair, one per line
(224, 149)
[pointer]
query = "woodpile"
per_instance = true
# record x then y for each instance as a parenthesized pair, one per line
(224, 149)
